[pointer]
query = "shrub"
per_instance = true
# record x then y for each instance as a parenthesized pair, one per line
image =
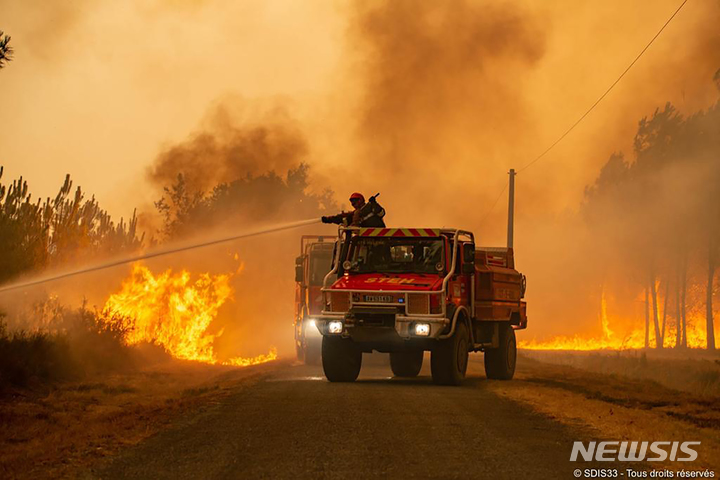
(73, 344)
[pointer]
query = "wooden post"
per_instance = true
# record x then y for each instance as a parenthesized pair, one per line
(511, 209)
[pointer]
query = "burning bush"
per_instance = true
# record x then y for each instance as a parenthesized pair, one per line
(174, 311)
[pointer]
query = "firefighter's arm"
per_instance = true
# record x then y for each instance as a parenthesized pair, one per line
(338, 219)
(377, 209)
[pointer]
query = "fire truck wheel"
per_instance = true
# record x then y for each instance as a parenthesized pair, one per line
(341, 359)
(500, 362)
(449, 359)
(406, 364)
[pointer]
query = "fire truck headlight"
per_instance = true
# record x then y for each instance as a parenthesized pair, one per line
(311, 328)
(422, 329)
(335, 327)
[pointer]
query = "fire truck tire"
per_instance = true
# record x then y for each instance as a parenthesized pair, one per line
(341, 359)
(406, 364)
(500, 362)
(449, 359)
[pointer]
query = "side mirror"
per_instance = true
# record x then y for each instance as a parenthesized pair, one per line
(468, 253)
(468, 258)
(299, 270)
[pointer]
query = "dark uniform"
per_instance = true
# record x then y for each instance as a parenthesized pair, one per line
(368, 214)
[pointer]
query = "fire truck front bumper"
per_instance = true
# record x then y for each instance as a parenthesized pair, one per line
(374, 326)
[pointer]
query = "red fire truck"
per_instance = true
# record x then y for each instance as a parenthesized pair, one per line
(311, 268)
(410, 290)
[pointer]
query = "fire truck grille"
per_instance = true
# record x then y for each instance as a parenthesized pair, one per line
(339, 301)
(418, 304)
(375, 320)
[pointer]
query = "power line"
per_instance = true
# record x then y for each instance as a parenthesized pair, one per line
(606, 91)
(592, 107)
(494, 203)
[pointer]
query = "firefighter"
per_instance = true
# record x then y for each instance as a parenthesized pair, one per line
(368, 214)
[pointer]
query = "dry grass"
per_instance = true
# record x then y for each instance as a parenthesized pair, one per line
(619, 407)
(694, 371)
(79, 342)
(55, 433)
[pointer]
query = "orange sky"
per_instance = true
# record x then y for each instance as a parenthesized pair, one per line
(97, 89)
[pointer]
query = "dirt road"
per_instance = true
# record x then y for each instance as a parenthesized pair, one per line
(294, 424)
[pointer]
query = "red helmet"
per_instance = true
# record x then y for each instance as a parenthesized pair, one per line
(357, 196)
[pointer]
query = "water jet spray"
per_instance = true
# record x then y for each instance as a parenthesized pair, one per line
(156, 253)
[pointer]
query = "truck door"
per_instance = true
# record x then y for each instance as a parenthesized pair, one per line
(459, 285)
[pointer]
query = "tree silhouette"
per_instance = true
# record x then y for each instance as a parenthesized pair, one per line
(36, 234)
(249, 200)
(6, 51)
(659, 217)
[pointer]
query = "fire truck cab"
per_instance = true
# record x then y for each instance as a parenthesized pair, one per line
(409, 290)
(311, 268)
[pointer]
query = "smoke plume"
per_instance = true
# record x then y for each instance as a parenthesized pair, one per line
(227, 148)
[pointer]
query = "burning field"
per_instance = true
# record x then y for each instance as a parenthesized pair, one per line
(84, 384)
(175, 311)
(627, 333)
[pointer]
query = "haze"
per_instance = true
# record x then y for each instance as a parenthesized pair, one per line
(429, 105)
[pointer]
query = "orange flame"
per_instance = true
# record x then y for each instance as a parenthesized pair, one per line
(632, 336)
(175, 312)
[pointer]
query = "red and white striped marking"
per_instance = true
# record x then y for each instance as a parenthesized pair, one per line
(399, 232)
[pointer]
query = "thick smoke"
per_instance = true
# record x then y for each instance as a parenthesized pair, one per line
(454, 94)
(244, 167)
(443, 95)
(227, 148)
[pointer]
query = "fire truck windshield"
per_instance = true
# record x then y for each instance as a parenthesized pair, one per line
(320, 263)
(396, 255)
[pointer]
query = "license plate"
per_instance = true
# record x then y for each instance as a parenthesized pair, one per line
(378, 298)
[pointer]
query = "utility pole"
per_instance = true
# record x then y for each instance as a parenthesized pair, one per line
(511, 209)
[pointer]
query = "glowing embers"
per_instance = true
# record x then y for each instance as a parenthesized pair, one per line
(175, 312)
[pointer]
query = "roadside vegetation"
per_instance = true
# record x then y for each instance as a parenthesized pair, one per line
(616, 405)
(47, 341)
(694, 371)
(76, 343)
(59, 431)
(37, 234)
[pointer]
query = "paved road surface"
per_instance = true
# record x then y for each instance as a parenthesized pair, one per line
(294, 424)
